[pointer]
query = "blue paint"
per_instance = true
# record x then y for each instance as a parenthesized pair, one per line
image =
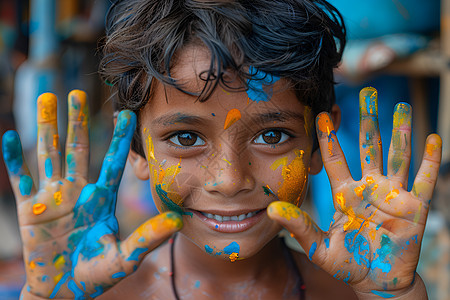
(40, 264)
(31, 233)
(141, 239)
(327, 242)
(415, 238)
(44, 278)
(12, 151)
(25, 185)
(59, 284)
(368, 205)
(119, 275)
(208, 249)
(382, 294)
(379, 225)
(347, 278)
(260, 85)
(213, 114)
(48, 168)
(359, 246)
(335, 275)
(78, 293)
(367, 159)
(312, 250)
(233, 247)
(83, 285)
(197, 284)
(135, 254)
(384, 253)
(71, 163)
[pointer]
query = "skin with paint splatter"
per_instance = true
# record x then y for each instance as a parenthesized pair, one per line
(68, 227)
(373, 243)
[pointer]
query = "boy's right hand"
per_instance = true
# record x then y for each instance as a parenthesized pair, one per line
(68, 227)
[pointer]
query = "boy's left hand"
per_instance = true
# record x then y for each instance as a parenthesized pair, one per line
(374, 241)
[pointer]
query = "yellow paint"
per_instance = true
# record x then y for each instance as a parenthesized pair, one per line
(47, 108)
(374, 188)
(57, 197)
(233, 116)
(227, 161)
(150, 146)
(353, 221)
(83, 112)
(295, 177)
(279, 162)
(39, 208)
(234, 256)
(392, 195)
(285, 210)
(417, 215)
(57, 278)
(370, 180)
(373, 96)
(59, 262)
(359, 190)
(372, 234)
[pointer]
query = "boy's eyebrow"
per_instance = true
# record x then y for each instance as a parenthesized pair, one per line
(170, 119)
(279, 116)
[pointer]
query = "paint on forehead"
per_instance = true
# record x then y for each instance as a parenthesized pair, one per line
(233, 116)
(260, 86)
(294, 180)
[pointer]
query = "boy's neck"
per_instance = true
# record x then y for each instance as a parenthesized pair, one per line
(269, 262)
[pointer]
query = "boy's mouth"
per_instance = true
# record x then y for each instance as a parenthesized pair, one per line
(230, 222)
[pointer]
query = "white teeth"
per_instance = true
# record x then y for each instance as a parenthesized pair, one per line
(230, 218)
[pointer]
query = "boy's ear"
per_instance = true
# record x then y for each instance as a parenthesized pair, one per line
(316, 159)
(137, 162)
(139, 165)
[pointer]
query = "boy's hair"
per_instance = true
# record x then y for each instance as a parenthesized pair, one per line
(300, 40)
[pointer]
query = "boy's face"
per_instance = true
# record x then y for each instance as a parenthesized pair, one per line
(221, 162)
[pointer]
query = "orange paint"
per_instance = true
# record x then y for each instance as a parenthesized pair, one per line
(83, 111)
(370, 180)
(47, 108)
(353, 222)
(39, 208)
(392, 194)
(359, 190)
(233, 116)
(32, 265)
(56, 141)
(295, 177)
(234, 256)
(57, 197)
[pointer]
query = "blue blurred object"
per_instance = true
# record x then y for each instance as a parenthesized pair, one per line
(373, 18)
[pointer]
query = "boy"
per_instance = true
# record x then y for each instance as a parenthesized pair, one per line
(224, 95)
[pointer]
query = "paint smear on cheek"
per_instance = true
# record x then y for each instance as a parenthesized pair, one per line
(233, 116)
(294, 180)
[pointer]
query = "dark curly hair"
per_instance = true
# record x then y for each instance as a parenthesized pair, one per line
(299, 40)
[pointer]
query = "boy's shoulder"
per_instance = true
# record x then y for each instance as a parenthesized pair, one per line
(318, 283)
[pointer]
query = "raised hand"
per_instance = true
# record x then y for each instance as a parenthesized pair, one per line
(68, 227)
(374, 241)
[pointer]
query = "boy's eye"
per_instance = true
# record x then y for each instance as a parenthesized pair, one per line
(186, 139)
(271, 137)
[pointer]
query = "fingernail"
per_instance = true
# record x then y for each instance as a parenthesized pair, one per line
(368, 101)
(284, 209)
(47, 108)
(12, 151)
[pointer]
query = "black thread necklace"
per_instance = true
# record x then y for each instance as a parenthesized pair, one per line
(287, 254)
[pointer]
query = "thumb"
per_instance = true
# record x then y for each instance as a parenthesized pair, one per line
(313, 240)
(149, 236)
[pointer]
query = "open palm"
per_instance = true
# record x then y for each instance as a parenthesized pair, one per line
(68, 227)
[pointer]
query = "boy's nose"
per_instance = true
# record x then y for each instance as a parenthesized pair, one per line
(229, 175)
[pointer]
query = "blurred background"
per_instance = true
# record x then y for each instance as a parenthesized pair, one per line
(400, 47)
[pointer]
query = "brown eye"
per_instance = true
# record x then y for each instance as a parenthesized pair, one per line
(271, 137)
(186, 139)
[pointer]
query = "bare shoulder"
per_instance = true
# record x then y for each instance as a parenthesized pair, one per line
(318, 283)
(149, 281)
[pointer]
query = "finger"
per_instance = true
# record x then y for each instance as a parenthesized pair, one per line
(77, 144)
(115, 158)
(332, 155)
(400, 148)
(313, 240)
(49, 154)
(18, 172)
(428, 172)
(369, 132)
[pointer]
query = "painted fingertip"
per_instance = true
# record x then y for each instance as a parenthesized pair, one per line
(171, 220)
(402, 115)
(434, 142)
(78, 108)
(47, 108)
(12, 151)
(324, 123)
(283, 209)
(125, 119)
(368, 101)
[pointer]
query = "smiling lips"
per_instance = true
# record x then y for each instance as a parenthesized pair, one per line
(230, 224)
